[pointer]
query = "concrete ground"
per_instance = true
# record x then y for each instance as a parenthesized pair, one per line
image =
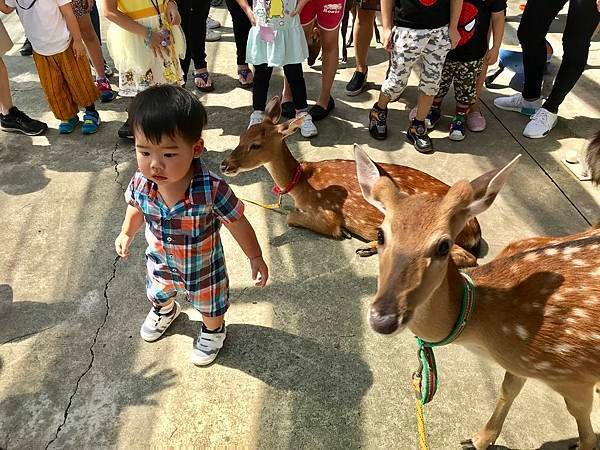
(301, 368)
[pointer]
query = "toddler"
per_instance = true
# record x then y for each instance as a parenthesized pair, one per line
(183, 205)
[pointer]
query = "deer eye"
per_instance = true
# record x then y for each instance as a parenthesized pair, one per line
(380, 238)
(442, 248)
(254, 146)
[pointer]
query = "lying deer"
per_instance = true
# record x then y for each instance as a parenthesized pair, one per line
(537, 310)
(326, 193)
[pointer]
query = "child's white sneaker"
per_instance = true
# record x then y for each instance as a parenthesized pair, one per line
(208, 345)
(211, 23)
(256, 117)
(308, 128)
(540, 124)
(156, 323)
(518, 104)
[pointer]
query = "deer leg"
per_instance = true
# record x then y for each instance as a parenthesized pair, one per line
(511, 386)
(462, 258)
(325, 222)
(579, 401)
(369, 250)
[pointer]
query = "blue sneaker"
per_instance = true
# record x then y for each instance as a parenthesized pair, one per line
(91, 122)
(68, 126)
(457, 128)
(434, 116)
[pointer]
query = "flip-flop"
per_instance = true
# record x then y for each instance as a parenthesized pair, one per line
(243, 75)
(205, 77)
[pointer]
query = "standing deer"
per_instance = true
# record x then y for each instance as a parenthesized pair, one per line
(326, 193)
(537, 304)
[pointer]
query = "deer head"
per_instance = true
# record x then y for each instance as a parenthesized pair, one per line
(416, 236)
(261, 143)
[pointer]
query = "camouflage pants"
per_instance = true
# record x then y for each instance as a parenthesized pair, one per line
(410, 47)
(464, 75)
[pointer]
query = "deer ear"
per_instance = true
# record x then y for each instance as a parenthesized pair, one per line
(289, 127)
(273, 110)
(486, 188)
(368, 175)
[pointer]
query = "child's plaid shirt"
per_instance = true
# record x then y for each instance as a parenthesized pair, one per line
(184, 247)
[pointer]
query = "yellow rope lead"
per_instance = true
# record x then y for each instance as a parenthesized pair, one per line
(262, 205)
(420, 417)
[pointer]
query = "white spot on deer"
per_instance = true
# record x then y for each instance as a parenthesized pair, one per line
(594, 247)
(551, 251)
(571, 250)
(526, 359)
(531, 257)
(506, 329)
(521, 332)
(563, 349)
(591, 301)
(595, 273)
(569, 331)
(544, 365)
(571, 320)
(595, 336)
(579, 263)
(557, 298)
(580, 312)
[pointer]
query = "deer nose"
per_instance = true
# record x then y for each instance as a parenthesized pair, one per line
(224, 166)
(383, 323)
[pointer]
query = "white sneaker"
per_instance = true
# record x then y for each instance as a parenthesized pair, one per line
(308, 128)
(256, 117)
(207, 346)
(540, 124)
(212, 36)
(212, 23)
(517, 103)
(156, 324)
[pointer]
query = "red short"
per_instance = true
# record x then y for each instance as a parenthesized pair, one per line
(328, 13)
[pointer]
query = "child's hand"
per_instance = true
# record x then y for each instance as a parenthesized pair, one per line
(387, 40)
(173, 13)
(78, 49)
(260, 271)
(454, 36)
(299, 7)
(492, 56)
(122, 244)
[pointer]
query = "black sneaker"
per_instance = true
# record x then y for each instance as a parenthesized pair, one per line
(17, 120)
(434, 116)
(288, 110)
(357, 84)
(26, 49)
(319, 113)
(417, 135)
(378, 122)
(125, 132)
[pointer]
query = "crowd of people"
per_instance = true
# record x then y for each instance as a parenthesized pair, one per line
(156, 41)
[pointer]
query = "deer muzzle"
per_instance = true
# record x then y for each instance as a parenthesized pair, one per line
(387, 321)
(229, 168)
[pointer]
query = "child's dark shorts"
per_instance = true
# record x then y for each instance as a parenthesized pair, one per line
(464, 75)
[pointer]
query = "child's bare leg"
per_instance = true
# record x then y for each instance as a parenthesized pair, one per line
(5, 97)
(90, 39)
(424, 103)
(213, 323)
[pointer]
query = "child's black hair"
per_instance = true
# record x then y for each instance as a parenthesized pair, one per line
(167, 110)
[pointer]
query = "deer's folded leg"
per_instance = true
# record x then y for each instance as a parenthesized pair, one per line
(369, 250)
(323, 222)
(462, 258)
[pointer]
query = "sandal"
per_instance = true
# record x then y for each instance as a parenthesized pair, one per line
(207, 85)
(244, 74)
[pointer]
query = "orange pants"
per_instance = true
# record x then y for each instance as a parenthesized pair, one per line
(67, 82)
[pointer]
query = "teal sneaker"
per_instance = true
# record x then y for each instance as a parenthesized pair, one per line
(91, 122)
(67, 127)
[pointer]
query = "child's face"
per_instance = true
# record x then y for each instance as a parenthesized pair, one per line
(167, 162)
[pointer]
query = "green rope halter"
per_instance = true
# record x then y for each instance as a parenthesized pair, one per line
(427, 371)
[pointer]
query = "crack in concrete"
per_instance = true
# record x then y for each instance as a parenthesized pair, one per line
(116, 166)
(93, 355)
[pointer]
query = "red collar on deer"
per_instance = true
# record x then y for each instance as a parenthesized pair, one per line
(292, 184)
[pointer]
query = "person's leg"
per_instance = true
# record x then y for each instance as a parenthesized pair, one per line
(536, 20)
(5, 97)
(92, 44)
(295, 77)
(241, 28)
(582, 21)
(330, 56)
(260, 90)
(465, 93)
(363, 33)
(184, 11)
(199, 13)
(95, 17)
(448, 74)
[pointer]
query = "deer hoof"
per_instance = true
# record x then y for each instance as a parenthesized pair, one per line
(468, 445)
(346, 234)
(366, 252)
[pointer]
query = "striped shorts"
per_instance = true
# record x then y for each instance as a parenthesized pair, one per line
(67, 82)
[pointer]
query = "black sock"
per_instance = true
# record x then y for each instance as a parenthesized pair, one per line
(218, 330)
(416, 123)
(91, 108)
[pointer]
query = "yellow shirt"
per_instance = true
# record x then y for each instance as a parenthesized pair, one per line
(140, 9)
